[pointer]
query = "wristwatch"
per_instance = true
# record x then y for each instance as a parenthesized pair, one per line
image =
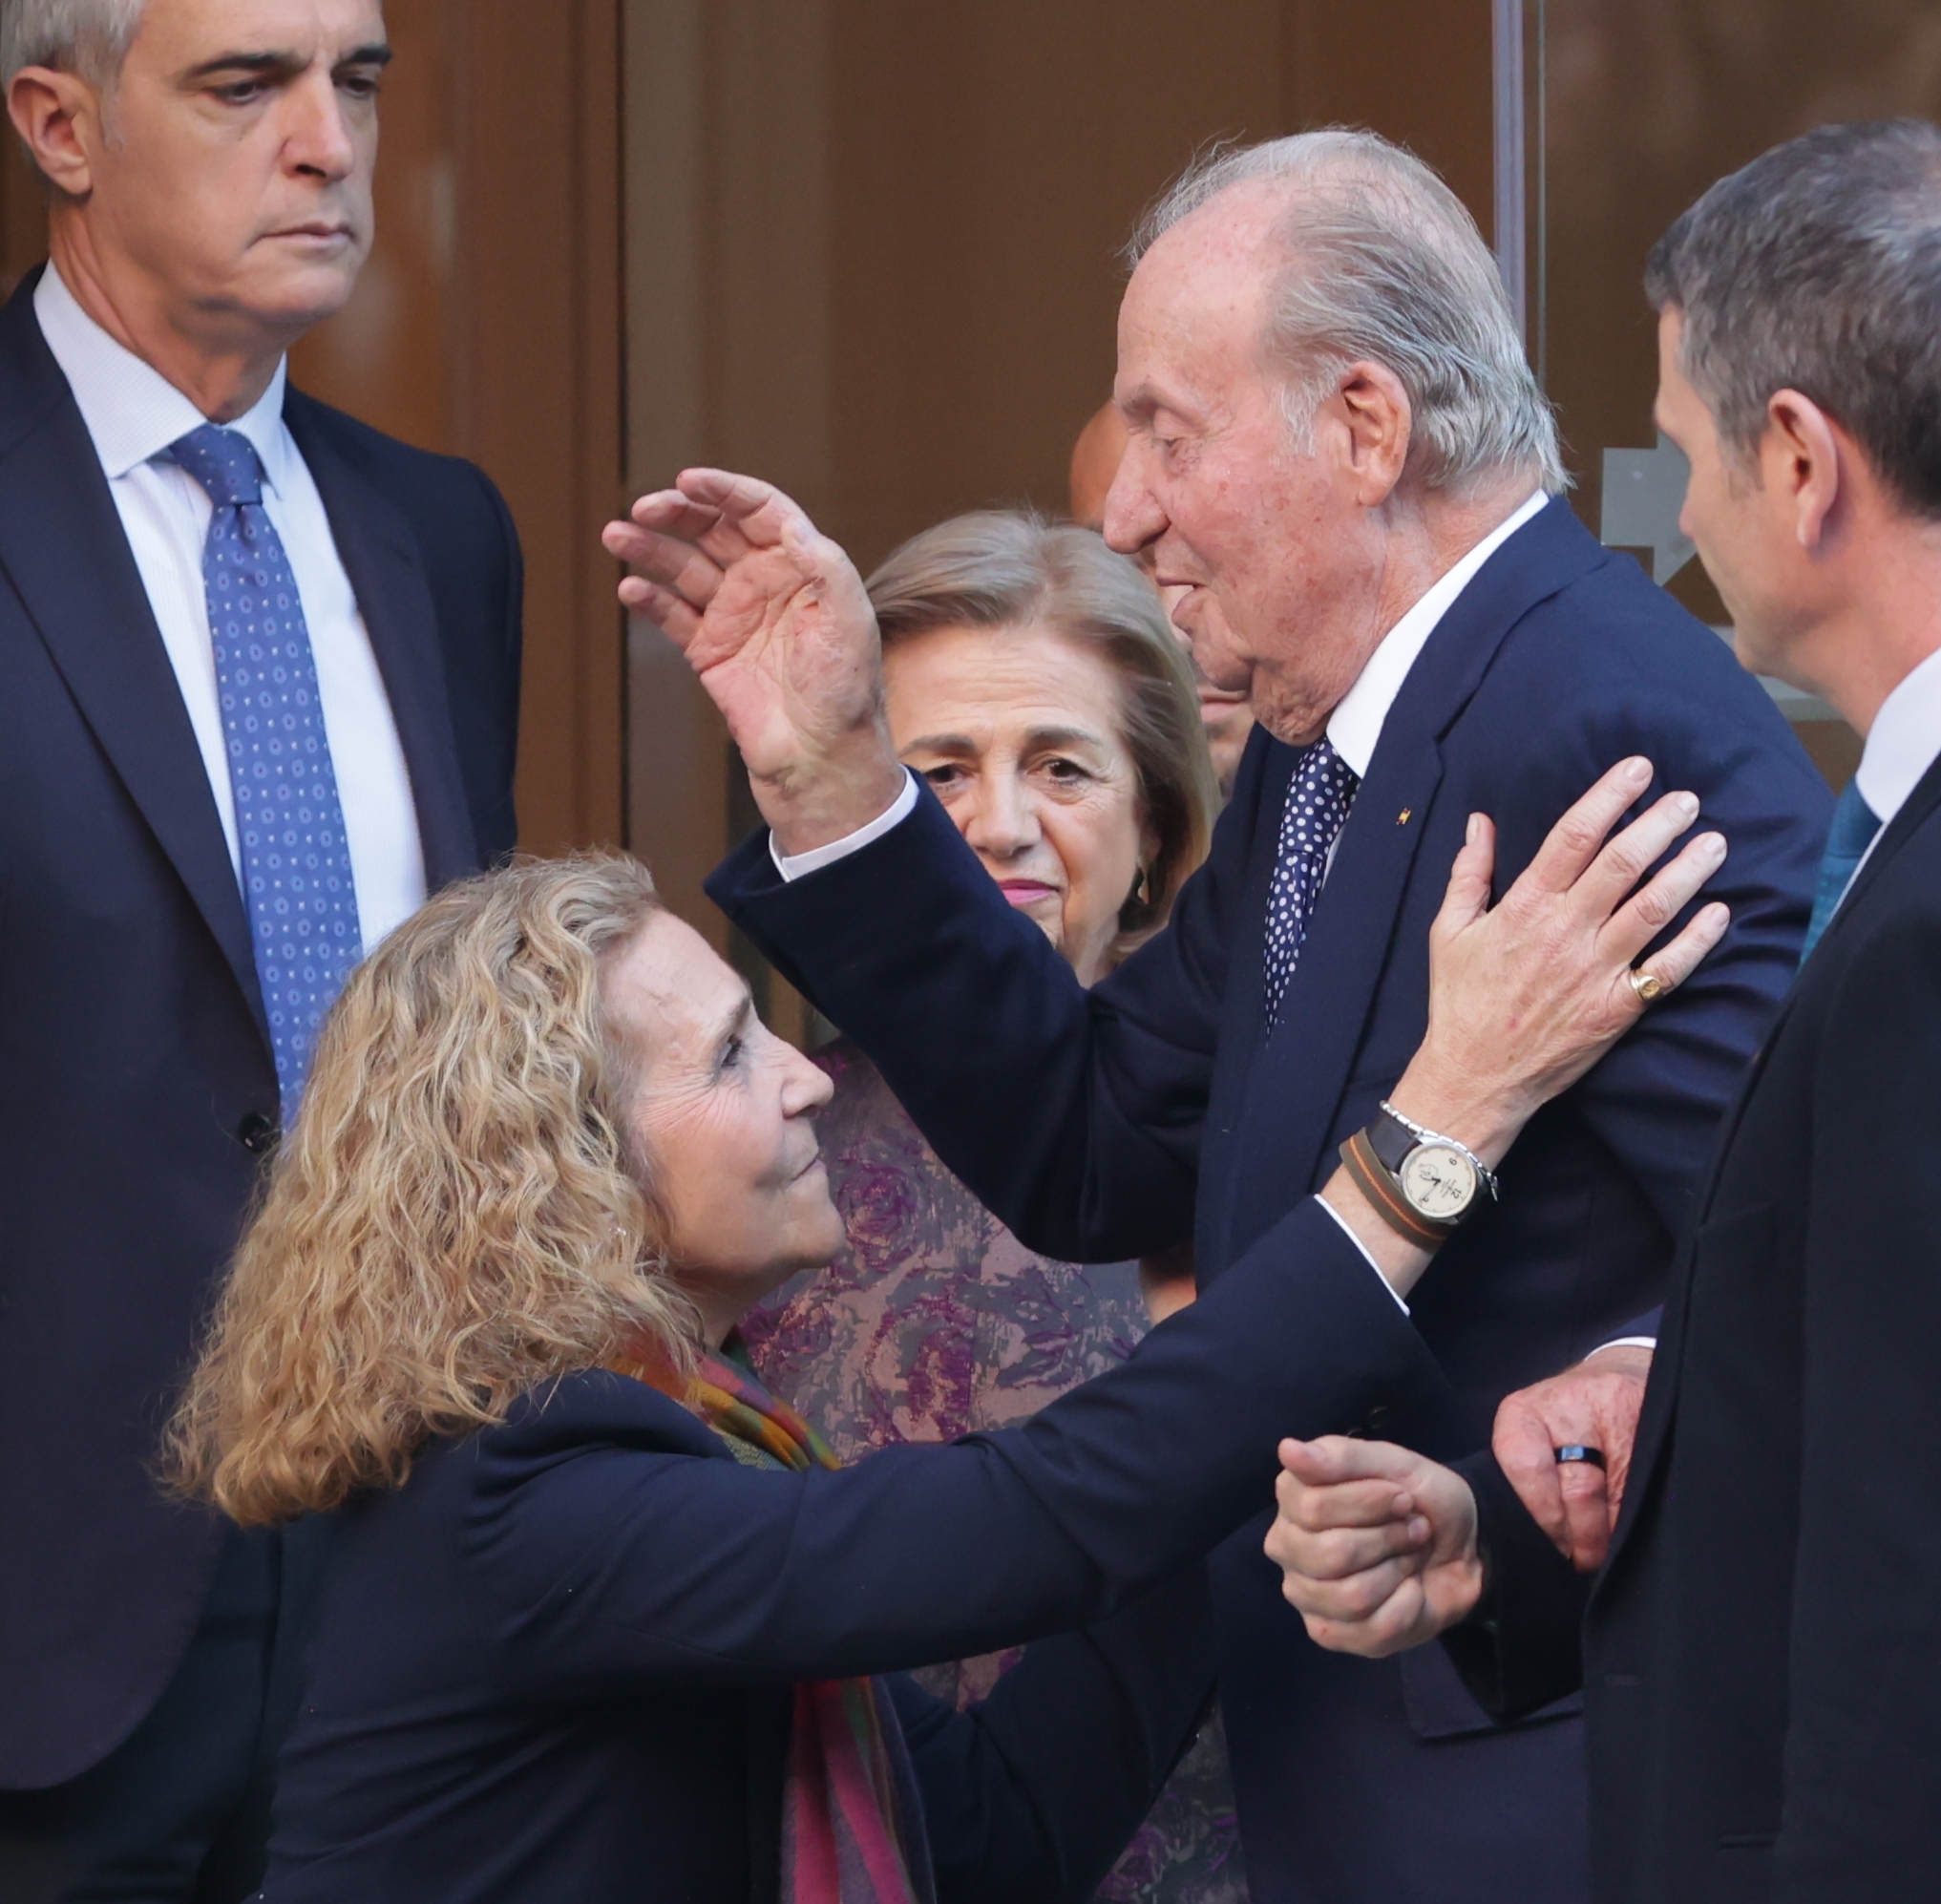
(1424, 1184)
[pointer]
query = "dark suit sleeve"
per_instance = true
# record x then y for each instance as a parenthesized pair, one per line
(1032, 1793)
(1864, 1733)
(616, 1561)
(1522, 1648)
(1074, 1115)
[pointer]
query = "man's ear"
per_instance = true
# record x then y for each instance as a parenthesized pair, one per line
(1800, 464)
(1371, 403)
(58, 116)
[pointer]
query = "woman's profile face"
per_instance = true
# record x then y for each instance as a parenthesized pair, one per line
(1020, 733)
(723, 1112)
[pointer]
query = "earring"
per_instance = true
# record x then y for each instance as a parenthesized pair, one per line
(1145, 887)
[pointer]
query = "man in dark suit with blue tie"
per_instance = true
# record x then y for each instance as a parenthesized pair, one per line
(259, 680)
(1340, 461)
(1758, 1651)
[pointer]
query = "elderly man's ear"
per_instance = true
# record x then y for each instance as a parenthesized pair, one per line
(58, 115)
(1366, 425)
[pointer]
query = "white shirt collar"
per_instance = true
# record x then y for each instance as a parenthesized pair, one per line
(132, 411)
(1355, 725)
(1904, 740)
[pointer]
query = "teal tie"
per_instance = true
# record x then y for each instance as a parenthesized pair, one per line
(1854, 826)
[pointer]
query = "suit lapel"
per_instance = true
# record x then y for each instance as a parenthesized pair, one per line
(63, 548)
(380, 555)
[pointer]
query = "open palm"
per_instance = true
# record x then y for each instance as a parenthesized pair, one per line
(771, 614)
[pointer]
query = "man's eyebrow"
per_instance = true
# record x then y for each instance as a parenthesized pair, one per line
(939, 744)
(269, 62)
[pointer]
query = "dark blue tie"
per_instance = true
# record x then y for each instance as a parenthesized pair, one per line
(1854, 826)
(296, 861)
(1318, 797)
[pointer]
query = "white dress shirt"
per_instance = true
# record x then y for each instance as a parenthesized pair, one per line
(132, 415)
(1902, 742)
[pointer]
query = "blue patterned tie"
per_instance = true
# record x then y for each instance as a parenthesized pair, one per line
(296, 861)
(1854, 826)
(1318, 802)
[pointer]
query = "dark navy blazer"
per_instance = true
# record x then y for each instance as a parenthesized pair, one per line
(1764, 1683)
(556, 1664)
(139, 1094)
(1100, 1126)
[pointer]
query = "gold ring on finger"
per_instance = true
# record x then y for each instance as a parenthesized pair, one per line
(1649, 988)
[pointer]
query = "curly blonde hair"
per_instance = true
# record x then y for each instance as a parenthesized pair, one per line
(455, 1216)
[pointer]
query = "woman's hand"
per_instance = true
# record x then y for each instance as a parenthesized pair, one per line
(1526, 996)
(773, 619)
(1376, 1546)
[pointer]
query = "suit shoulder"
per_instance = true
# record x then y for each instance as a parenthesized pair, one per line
(392, 464)
(1611, 664)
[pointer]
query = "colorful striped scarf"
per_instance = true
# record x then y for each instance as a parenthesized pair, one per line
(852, 1820)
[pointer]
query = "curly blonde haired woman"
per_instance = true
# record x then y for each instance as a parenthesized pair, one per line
(599, 1615)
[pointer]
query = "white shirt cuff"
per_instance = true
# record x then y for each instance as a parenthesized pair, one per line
(1347, 1230)
(1649, 1343)
(797, 865)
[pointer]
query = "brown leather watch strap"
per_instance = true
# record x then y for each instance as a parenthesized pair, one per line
(1373, 1180)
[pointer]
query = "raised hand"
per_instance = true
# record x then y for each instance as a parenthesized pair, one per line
(1377, 1545)
(772, 617)
(1594, 1405)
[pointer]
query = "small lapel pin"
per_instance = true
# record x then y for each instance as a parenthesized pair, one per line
(1401, 818)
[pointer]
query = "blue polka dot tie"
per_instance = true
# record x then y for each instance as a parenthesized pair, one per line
(1318, 802)
(296, 861)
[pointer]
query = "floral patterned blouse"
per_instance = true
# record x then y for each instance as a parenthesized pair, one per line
(935, 1322)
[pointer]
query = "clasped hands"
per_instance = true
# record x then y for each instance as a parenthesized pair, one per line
(1376, 1544)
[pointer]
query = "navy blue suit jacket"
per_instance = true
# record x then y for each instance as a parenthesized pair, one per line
(139, 1094)
(556, 1664)
(1103, 1125)
(1763, 1684)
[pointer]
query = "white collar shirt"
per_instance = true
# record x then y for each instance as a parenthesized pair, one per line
(1355, 725)
(1903, 741)
(132, 415)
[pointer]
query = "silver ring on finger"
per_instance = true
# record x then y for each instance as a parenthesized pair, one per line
(1649, 987)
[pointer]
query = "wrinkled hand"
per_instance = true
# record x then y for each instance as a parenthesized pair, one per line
(1377, 1545)
(1594, 1405)
(772, 617)
(1527, 995)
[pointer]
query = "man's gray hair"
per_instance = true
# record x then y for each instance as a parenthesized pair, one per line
(1384, 264)
(90, 37)
(1818, 268)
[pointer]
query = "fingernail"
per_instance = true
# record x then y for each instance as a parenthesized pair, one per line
(1474, 830)
(1637, 768)
(1687, 805)
(1714, 844)
(1418, 1528)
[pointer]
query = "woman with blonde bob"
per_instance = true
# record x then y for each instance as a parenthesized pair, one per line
(599, 1617)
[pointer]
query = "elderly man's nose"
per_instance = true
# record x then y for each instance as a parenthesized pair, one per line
(1133, 516)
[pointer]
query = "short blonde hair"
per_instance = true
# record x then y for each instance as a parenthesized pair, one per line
(454, 1218)
(1010, 568)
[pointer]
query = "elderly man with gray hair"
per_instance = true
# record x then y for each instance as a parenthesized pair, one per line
(1338, 453)
(258, 681)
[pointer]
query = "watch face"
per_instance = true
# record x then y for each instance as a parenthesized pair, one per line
(1438, 1181)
